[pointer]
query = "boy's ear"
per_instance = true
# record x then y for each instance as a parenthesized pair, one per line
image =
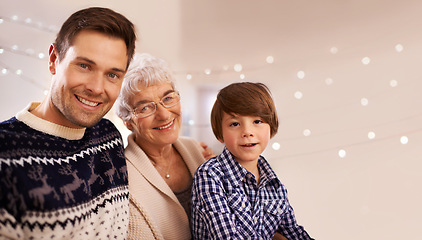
(220, 140)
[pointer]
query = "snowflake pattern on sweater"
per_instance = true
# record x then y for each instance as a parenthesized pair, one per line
(53, 187)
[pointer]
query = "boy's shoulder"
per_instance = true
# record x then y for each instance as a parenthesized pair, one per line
(212, 164)
(217, 166)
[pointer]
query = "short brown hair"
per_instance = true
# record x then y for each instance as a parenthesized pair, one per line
(97, 19)
(245, 99)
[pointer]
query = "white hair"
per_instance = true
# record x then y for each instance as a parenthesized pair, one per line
(144, 71)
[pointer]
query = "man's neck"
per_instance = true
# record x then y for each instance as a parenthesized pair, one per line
(47, 111)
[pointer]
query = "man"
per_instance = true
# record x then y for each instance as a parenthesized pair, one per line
(63, 171)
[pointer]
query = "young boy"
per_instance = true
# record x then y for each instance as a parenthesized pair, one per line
(237, 195)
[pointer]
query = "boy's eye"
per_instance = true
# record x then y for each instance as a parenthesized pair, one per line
(258, 121)
(234, 124)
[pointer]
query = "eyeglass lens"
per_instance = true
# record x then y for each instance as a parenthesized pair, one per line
(146, 109)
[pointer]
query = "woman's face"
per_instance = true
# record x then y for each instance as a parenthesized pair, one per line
(163, 126)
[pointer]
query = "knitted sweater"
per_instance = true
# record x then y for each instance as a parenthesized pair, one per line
(155, 212)
(61, 183)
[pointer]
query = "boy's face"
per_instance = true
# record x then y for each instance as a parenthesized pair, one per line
(246, 137)
(87, 80)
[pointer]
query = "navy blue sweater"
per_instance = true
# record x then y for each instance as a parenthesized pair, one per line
(51, 186)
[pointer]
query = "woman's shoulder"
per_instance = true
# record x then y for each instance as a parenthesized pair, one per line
(189, 145)
(188, 141)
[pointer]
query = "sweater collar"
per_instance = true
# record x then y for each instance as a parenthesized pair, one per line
(45, 126)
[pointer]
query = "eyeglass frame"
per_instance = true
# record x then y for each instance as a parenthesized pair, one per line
(134, 114)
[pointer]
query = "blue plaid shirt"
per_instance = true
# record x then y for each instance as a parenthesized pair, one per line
(227, 203)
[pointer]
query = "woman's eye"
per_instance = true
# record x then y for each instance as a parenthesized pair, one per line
(168, 99)
(145, 108)
(149, 107)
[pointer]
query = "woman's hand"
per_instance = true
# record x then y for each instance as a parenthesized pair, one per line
(208, 152)
(278, 236)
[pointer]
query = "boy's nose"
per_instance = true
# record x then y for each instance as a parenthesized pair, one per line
(247, 134)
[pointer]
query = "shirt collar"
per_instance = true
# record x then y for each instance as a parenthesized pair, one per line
(233, 170)
(267, 173)
(236, 172)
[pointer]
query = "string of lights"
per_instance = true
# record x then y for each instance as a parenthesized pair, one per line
(6, 69)
(28, 22)
(30, 52)
(240, 70)
(402, 137)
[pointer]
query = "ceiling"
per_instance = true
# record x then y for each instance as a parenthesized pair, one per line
(198, 35)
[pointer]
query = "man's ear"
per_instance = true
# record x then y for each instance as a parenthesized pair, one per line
(129, 125)
(53, 56)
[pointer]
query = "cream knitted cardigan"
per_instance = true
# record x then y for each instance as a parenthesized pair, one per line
(155, 212)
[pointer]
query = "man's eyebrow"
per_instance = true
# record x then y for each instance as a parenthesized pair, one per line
(86, 59)
(93, 63)
(118, 70)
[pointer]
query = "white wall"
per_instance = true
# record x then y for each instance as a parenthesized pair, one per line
(371, 193)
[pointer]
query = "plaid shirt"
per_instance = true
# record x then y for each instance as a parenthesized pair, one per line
(227, 203)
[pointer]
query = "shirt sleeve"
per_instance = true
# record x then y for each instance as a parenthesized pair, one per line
(211, 213)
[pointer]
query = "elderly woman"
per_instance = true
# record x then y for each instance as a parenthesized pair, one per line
(160, 163)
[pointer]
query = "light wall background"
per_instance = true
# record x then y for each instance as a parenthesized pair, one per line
(345, 76)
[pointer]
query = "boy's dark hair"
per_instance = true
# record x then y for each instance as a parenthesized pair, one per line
(97, 19)
(245, 99)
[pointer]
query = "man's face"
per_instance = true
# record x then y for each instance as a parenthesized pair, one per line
(87, 80)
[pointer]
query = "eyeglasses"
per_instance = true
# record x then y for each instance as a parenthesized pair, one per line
(147, 109)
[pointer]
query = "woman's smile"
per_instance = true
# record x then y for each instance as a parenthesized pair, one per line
(165, 126)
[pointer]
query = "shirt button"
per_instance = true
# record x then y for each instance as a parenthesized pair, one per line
(255, 219)
(243, 205)
(279, 210)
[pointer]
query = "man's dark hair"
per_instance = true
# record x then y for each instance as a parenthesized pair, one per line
(97, 19)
